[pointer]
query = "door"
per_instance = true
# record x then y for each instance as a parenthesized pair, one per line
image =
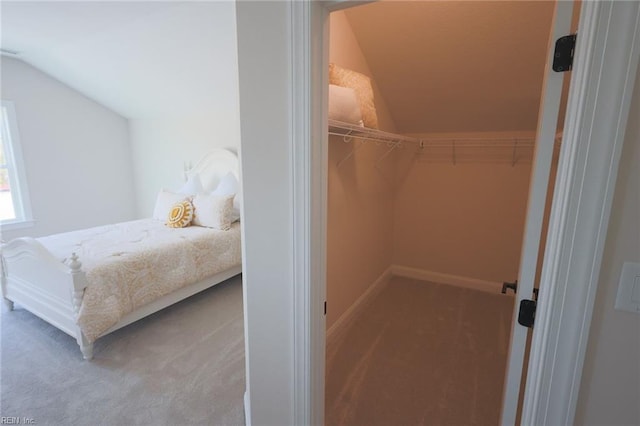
(545, 139)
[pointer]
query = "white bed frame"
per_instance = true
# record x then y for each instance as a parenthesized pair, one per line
(33, 278)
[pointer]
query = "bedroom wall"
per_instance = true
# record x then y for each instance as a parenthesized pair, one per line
(160, 148)
(268, 282)
(360, 196)
(610, 389)
(161, 144)
(76, 154)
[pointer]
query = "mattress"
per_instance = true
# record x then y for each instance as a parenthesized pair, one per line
(130, 264)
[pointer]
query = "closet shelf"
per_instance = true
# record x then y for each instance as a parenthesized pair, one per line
(349, 131)
(453, 148)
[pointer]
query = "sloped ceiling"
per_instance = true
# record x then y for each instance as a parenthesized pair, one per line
(140, 59)
(456, 66)
(449, 66)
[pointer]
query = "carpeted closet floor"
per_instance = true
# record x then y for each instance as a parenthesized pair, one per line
(420, 354)
(183, 365)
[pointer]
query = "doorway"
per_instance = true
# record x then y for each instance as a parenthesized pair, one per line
(457, 223)
(596, 18)
(296, 159)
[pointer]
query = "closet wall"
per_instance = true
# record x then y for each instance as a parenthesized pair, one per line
(466, 218)
(360, 196)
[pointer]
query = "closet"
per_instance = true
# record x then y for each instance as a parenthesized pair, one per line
(427, 204)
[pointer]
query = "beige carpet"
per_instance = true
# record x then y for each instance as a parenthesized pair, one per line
(420, 354)
(183, 365)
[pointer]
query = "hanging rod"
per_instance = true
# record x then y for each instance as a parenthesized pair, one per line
(484, 143)
(348, 131)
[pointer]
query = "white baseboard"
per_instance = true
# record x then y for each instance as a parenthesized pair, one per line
(438, 277)
(348, 315)
(406, 271)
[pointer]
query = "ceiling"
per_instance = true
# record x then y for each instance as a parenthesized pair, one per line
(456, 66)
(140, 59)
(450, 66)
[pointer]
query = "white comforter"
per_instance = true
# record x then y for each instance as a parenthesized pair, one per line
(133, 263)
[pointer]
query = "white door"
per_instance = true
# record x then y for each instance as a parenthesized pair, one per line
(545, 139)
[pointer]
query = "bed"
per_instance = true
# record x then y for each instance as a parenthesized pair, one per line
(91, 282)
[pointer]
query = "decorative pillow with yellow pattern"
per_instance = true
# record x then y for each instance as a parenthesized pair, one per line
(181, 215)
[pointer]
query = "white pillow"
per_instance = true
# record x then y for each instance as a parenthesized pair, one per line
(344, 106)
(361, 85)
(165, 202)
(228, 185)
(193, 186)
(213, 211)
(237, 201)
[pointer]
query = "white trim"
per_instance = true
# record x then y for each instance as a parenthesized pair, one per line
(300, 148)
(341, 324)
(247, 409)
(606, 64)
(316, 55)
(17, 173)
(8, 226)
(538, 188)
(319, 181)
(442, 278)
(309, 170)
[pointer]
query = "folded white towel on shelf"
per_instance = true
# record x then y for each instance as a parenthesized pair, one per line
(344, 105)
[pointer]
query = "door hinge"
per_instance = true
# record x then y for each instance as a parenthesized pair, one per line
(527, 312)
(510, 286)
(514, 286)
(563, 53)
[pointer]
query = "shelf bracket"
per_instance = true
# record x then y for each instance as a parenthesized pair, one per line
(393, 146)
(350, 154)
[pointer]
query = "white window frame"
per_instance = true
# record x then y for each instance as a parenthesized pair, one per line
(17, 175)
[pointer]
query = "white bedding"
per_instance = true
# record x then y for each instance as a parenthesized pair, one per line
(130, 264)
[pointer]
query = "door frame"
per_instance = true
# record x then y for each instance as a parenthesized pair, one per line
(603, 76)
(546, 130)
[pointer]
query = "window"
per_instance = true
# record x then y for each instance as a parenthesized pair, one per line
(15, 208)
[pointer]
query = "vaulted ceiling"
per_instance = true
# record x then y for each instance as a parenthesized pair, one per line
(140, 58)
(456, 66)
